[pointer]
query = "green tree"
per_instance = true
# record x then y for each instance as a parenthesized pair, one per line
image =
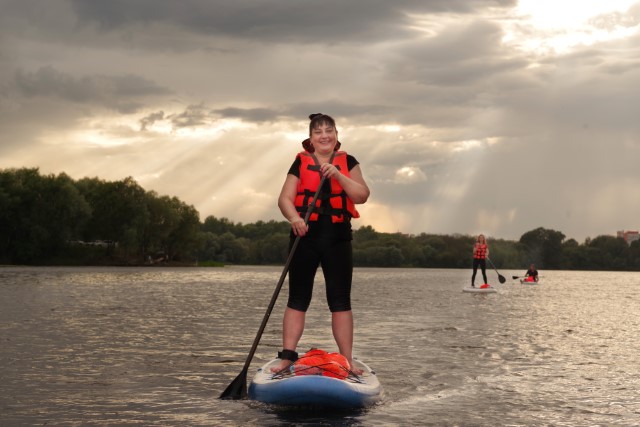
(365, 234)
(378, 256)
(634, 256)
(218, 226)
(273, 249)
(40, 215)
(119, 212)
(543, 247)
(183, 238)
(209, 248)
(609, 252)
(232, 249)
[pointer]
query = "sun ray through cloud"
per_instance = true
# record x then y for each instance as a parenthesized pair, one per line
(450, 107)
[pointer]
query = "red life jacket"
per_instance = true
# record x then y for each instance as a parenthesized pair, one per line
(337, 203)
(480, 251)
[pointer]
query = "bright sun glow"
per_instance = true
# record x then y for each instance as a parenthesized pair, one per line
(409, 175)
(112, 132)
(388, 128)
(554, 14)
(552, 26)
(212, 130)
(466, 145)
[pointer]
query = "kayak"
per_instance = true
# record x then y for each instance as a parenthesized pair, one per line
(480, 290)
(526, 282)
(317, 390)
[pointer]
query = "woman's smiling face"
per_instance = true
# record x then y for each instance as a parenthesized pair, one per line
(324, 138)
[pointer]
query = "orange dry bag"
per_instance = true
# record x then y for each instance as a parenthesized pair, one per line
(319, 362)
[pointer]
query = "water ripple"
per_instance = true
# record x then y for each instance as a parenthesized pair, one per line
(156, 346)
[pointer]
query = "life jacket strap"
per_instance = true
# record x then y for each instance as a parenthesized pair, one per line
(324, 208)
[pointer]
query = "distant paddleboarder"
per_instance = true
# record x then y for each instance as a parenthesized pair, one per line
(532, 274)
(480, 255)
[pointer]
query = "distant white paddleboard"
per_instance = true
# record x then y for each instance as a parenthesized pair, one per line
(479, 290)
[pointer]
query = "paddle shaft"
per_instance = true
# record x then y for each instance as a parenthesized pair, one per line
(500, 276)
(276, 292)
(272, 303)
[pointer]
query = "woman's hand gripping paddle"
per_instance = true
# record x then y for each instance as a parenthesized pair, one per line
(238, 387)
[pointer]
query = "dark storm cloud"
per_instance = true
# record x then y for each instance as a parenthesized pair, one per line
(365, 113)
(150, 120)
(370, 114)
(309, 21)
(110, 91)
(249, 114)
(198, 115)
(463, 54)
(192, 116)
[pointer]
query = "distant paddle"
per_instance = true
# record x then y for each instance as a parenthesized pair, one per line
(238, 387)
(500, 276)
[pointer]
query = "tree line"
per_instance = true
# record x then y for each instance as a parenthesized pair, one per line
(56, 220)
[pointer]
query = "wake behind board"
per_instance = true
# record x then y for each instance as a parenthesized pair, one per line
(290, 389)
(526, 282)
(480, 290)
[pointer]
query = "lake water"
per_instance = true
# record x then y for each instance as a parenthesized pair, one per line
(157, 346)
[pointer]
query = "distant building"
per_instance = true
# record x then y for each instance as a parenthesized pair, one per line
(629, 236)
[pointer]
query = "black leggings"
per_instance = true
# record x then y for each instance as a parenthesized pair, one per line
(483, 265)
(336, 259)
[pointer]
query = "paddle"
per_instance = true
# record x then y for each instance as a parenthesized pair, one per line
(238, 387)
(500, 276)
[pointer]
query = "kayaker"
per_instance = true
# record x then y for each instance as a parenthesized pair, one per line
(480, 254)
(326, 240)
(532, 274)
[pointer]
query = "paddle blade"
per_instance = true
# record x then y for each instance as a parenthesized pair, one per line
(515, 277)
(501, 278)
(237, 389)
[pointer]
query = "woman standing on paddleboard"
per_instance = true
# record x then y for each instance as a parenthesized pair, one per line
(326, 239)
(480, 255)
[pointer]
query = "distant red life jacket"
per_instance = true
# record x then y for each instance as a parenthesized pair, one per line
(529, 279)
(319, 362)
(480, 251)
(336, 203)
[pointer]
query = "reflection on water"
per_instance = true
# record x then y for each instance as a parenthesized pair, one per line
(155, 346)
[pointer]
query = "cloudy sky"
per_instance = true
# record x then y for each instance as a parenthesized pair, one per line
(467, 116)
